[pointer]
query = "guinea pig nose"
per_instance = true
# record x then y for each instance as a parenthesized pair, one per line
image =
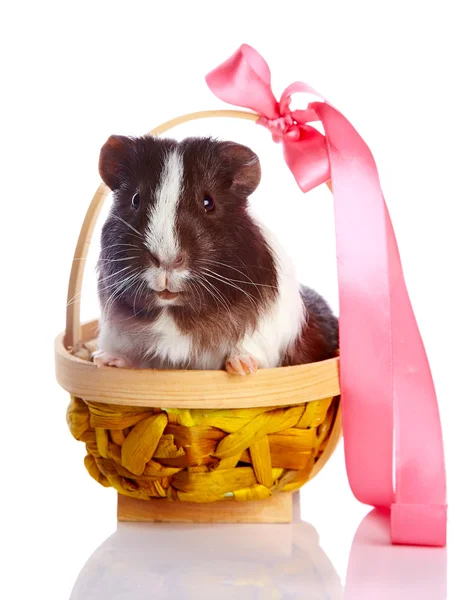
(177, 263)
(155, 260)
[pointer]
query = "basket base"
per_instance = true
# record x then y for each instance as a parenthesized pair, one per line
(277, 509)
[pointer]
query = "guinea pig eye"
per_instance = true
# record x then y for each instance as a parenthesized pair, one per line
(208, 203)
(136, 200)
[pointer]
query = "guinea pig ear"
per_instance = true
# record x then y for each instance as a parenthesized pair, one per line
(114, 160)
(244, 165)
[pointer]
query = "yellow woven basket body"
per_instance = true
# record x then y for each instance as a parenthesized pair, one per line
(193, 436)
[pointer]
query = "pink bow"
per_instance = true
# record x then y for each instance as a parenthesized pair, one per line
(244, 80)
(389, 404)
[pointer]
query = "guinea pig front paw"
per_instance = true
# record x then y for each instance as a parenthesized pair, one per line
(241, 364)
(107, 359)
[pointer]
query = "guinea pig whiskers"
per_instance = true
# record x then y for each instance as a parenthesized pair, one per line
(120, 289)
(192, 287)
(138, 293)
(214, 288)
(221, 264)
(217, 262)
(250, 282)
(128, 225)
(108, 260)
(196, 284)
(74, 300)
(127, 277)
(113, 285)
(121, 244)
(115, 274)
(202, 281)
(218, 293)
(253, 301)
(119, 280)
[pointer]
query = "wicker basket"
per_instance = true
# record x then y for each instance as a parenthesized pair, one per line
(196, 437)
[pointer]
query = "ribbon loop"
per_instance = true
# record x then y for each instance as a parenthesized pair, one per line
(388, 397)
(244, 80)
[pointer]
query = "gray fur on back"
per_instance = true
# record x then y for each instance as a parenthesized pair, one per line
(318, 307)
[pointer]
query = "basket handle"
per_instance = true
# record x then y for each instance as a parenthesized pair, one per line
(73, 322)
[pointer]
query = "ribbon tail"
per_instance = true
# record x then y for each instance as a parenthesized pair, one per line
(297, 155)
(419, 512)
(385, 377)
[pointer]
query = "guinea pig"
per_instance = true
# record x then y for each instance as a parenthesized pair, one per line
(187, 278)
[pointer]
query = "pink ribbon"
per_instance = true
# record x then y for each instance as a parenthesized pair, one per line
(385, 378)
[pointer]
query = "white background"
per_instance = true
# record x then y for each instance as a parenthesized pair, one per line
(75, 72)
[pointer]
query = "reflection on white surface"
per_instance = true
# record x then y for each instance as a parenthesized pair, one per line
(379, 571)
(274, 562)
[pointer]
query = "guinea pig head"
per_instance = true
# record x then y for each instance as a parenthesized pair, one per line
(179, 233)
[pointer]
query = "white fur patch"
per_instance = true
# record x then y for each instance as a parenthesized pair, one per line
(280, 326)
(114, 341)
(161, 237)
(173, 347)
(170, 344)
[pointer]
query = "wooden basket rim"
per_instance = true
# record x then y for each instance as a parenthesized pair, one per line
(281, 386)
